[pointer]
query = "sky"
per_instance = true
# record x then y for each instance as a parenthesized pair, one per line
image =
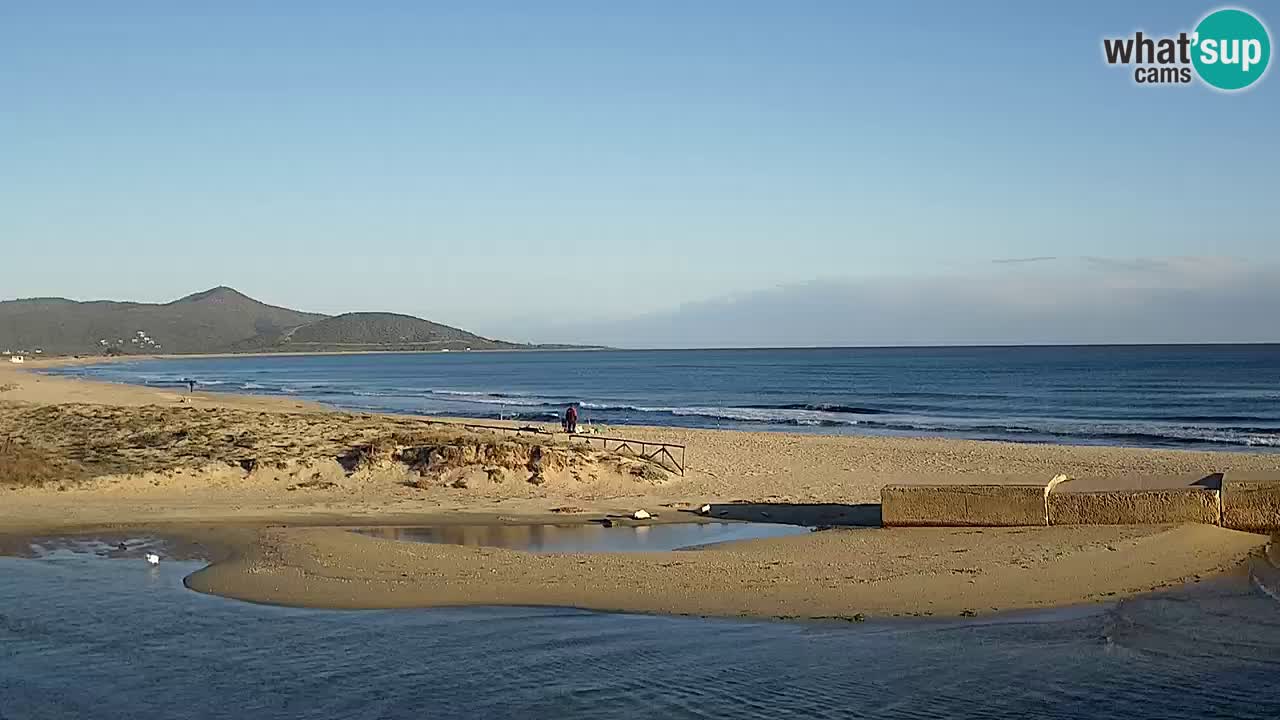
(664, 173)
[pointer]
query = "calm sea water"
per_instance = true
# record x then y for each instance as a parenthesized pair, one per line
(1217, 396)
(82, 636)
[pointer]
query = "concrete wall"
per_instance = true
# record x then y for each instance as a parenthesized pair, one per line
(1135, 507)
(1250, 504)
(1239, 503)
(963, 505)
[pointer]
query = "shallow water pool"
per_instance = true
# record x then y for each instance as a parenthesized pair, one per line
(587, 538)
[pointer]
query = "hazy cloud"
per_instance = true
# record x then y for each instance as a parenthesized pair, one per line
(1085, 300)
(1020, 261)
(1127, 264)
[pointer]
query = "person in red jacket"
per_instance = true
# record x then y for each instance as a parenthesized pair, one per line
(571, 420)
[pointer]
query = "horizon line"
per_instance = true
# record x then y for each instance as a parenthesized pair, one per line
(926, 346)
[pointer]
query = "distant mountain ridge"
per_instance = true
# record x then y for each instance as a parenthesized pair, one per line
(220, 319)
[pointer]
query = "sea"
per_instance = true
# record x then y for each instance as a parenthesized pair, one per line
(1224, 397)
(85, 633)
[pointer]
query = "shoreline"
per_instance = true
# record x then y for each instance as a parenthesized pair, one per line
(283, 546)
(781, 428)
(142, 394)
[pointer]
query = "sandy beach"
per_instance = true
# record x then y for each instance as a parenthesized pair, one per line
(270, 481)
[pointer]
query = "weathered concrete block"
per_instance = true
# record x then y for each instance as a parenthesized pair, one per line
(1135, 507)
(1251, 504)
(1135, 481)
(963, 505)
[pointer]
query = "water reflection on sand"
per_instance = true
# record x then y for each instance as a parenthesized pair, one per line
(586, 538)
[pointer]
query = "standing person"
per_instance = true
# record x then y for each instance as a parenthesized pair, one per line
(191, 386)
(571, 419)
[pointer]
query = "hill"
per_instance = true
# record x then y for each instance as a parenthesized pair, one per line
(372, 331)
(216, 320)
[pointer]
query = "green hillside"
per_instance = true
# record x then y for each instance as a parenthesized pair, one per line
(216, 320)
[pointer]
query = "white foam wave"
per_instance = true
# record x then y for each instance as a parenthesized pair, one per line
(518, 402)
(798, 417)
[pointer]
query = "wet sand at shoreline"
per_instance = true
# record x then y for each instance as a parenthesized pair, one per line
(841, 572)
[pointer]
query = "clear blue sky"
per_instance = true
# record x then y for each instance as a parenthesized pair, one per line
(506, 166)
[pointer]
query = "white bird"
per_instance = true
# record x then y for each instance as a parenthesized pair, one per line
(641, 515)
(153, 558)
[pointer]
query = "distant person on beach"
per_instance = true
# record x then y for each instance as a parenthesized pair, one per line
(571, 420)
(191, 386)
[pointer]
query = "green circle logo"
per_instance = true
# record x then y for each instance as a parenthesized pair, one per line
(1232, 49)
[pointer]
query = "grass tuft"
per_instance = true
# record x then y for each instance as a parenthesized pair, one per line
(24, 466)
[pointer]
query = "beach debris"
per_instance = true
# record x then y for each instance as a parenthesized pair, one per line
(152, 558)
(606, 522)
(121, 546)
(641, 515)
(704, 510)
